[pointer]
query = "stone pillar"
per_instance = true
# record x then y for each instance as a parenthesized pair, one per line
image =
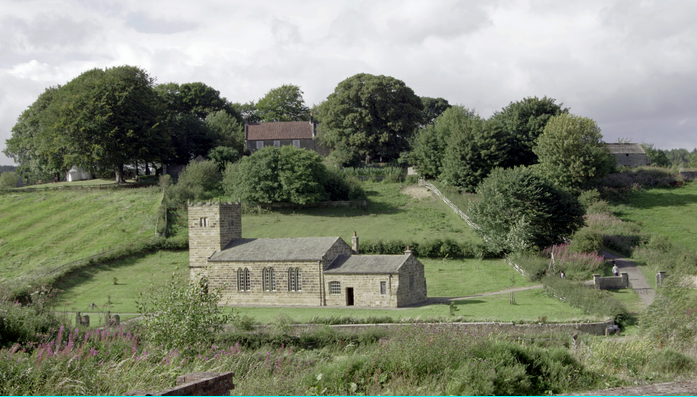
(659, 279)
(625, 279)
(596, 280)
(354, 244)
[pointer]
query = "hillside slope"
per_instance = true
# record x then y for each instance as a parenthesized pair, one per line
(43, 230)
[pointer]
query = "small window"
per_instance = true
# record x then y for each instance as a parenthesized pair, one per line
(277, 143)
(260, 144)
(230, 223)
(269, 279)
(243, 279)
(203, 222)
(383, 287)
(296, 143)
(411, 282)
(294, 279)
(335, 288)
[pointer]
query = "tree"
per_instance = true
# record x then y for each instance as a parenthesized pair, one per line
(370, 116)
(226, 130)
(517, 209)
(222, 155)
(657, 157)
(198, 181)
(272, 174)
(197, 98)
(473, 149)
(433, 107)
(523, 122)
(284, 103)
(571, 151)
(8, 180)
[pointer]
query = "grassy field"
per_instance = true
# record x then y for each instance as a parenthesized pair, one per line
(391, 215)
(669, 212)
(445, 278)
(86, 183)
(40, 231)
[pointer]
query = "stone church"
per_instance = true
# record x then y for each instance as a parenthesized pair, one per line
(303, 271)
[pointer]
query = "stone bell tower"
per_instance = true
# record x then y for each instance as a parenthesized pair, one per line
(211, 226)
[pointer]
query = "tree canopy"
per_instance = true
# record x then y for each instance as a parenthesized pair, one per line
(571, 151)
(433, 107)
(517, 209)
(524, 121)
(656, 157)
(370, 116)
(284, 103)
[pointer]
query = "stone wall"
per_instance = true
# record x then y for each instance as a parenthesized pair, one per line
(366, 289)
(631, 160)
(611, 282)
(689, 175)
(196, 384)
(211, 226)
(405, 294)
(225, 273)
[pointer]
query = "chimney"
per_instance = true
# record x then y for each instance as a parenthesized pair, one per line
(408, 251)
(312, 125)
(354, 244)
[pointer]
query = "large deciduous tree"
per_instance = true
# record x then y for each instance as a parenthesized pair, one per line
(284, 103)
(370, 116)
(524, 121)
(433, 107)
(571, 151)
(517, 209)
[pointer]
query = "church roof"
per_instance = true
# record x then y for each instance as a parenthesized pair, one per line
(622, 148)
(275, 249)
(279, 130)
(366, 264)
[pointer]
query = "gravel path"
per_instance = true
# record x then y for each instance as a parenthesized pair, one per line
(636, 277)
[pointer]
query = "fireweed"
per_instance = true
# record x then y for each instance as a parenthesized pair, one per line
(576, 265)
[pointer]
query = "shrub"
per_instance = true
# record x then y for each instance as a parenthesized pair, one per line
(517, 209)
(198, 181)
(669, 361)
(340, 186)
(591, 301)
(588, 197)
(534, 265)
(576, 265)
(181, 314)
(600, 207)
(586, 240)
(30, 324)
(8, 180)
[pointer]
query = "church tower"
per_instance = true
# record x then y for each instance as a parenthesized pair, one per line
(211, 226)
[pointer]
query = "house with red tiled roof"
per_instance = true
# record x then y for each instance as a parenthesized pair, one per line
(301, 134)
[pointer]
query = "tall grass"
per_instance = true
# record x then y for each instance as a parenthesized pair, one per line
(575, 265)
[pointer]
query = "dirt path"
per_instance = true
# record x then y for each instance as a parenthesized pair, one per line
(680, 388)
(636, 277)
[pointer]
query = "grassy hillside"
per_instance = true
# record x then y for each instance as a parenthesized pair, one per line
(395, 211)
(669, 212)
(40, 231)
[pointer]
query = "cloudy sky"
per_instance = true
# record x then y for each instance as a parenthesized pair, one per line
(629, 65)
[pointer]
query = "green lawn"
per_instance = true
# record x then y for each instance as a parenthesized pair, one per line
(390, 215)
(669, 212)
(87, 183)
(445, 278)
(530, 307)
(40, 231)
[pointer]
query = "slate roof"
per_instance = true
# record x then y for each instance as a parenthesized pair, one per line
(275, 249)
(623, 148)
(279, 130)
(366, 264)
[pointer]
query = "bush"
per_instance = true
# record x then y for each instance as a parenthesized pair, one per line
(591, 301)
(9, 179)
(429, 249)
(586, 240)
(182, 314)
(600, 207)
(198, 181)
(669, 361)
(517, 209)
(588, 197)
(28, 324)
(575, 265)
(534, 265)
(341, 187)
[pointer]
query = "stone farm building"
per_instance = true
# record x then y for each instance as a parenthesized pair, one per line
(301, 134)
(305, 271)
(628, 154)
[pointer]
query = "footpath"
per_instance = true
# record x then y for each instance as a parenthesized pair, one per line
(637, 281)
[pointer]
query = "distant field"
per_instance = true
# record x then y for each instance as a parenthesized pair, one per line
(391, 215)
(40, 231)
(670, 212)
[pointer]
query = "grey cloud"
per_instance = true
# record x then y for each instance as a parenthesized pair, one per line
(351, 28)
(441, 20)
(146, 24)
(45, 32)
(285, 33)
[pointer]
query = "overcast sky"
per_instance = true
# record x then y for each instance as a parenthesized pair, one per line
(629, 65)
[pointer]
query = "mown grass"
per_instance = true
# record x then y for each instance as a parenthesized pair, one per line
(391, 215)
(445, 278)
(40, 231)
(668, 212)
